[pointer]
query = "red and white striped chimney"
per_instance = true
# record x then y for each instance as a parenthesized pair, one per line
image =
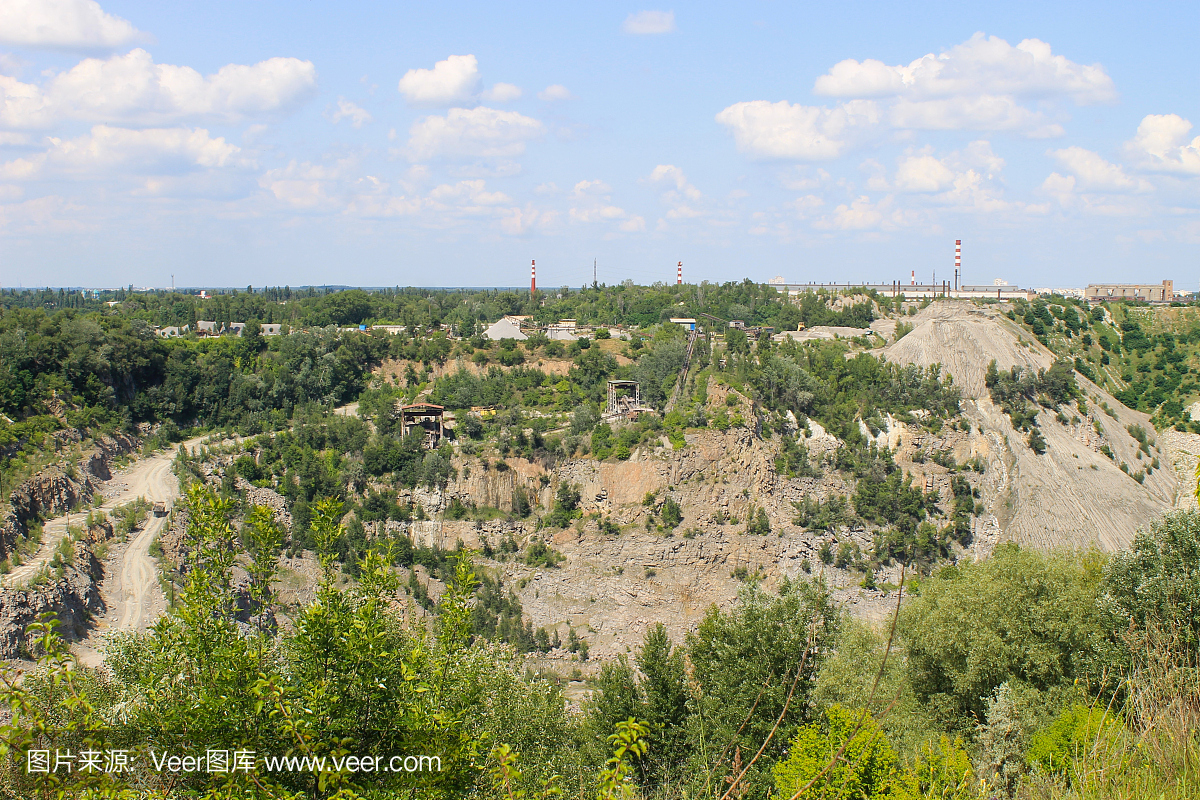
(679, 275)
(914, 277)
(957, 260)
(532, 278)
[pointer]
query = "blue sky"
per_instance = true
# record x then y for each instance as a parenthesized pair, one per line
(448, 144)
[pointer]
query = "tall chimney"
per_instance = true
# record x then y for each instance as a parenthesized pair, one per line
(679, 275)
(532, 278)
(957, 261)
(914, 277)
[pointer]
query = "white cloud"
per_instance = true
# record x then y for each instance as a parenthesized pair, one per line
(976, 155)
(858, 215)
(1161, 143)
(591, 203)
(451, 81)
(644, 23)
(1061, 187)
(132, 88)
(348, 110)
(518, 222)
(673, 174)
(555, 91)
(468, 193)
(1093, 173)
(681, 198)
(978, 113)
(595, 188)
(304, 185)
(472, 133)
(807, 133)
(502, 93)
(972, 191)
(63, 24)
(152, 151)
(923, 174)
(982, 84)
(980, 66)
(804, 178)
(806, 206)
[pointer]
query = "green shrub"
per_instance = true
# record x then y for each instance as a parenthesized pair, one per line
(671, 513)
(866, 766)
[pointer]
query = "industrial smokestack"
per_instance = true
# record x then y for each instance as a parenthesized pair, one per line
(532, 278)
(679, 275)
(957, 261)
(914, 277)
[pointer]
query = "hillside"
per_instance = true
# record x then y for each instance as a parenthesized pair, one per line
(1073, 494)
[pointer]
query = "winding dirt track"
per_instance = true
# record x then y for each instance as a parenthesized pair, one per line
(131, 574)
(150, 478)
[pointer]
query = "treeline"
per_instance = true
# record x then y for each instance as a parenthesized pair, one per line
(464, 312)
(106, 371)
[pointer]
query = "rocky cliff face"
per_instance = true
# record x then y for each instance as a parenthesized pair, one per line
(73, 599)
(59, 488)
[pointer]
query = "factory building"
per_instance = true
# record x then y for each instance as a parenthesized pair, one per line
(1151, 293)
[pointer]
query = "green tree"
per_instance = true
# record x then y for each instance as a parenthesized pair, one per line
(1020, 616)
(762, 653)
(1155, 585)
(665, 708)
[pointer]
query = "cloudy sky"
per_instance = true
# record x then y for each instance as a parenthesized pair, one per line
(434, 144)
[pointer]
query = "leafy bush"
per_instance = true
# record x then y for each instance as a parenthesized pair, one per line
(1018, 616)
(865, 766)
(671, 513)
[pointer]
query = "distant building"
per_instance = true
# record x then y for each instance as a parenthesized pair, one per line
(561, 333)
(687, 323)
(505, 328)
(210, 328)
(1000, 290)
(777, 281)
(1151, 293)
(272, 328)
(424, 417)
(624, 401)
(172, 332)
(1062, 292)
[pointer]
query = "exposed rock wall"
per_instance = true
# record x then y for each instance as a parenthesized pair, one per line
(59, 488)
(73, 599)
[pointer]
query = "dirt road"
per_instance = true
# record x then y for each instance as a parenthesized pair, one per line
(130, 586)
(150, 478)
